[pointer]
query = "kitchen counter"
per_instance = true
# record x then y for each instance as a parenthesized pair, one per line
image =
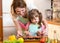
(54, 22)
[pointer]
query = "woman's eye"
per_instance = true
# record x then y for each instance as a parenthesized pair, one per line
(18, 11)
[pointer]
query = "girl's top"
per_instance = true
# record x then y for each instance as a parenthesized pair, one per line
(33, 28)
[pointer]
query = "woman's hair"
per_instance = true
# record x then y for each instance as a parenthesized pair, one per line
(36, 13)
(18, 3)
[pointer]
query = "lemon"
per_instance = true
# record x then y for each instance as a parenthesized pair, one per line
(21, 40)
(12, 38)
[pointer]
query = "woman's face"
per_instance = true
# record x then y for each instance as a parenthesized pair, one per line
(20, 11)
(35, 20)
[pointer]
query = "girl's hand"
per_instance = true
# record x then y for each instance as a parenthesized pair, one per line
(27, 32)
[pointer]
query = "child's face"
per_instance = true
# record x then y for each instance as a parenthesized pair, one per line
(35, 20)
(20, 11)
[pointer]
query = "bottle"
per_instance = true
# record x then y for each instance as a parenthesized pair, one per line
(55, 37)
(47, 40)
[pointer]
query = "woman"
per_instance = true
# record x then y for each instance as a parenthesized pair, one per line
(19, 11)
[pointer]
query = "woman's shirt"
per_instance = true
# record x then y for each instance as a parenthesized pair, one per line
(23, 22)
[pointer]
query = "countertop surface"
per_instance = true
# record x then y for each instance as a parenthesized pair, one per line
(54, 22)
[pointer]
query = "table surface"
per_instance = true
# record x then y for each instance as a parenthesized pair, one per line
(31, 41)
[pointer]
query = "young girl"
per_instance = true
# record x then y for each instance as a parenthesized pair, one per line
(35, 27)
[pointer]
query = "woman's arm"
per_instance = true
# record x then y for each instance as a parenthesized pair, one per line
(44, 27)
(44, 22)
(18, 27)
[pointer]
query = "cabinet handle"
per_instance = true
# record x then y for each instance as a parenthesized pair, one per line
(0, 38)
(0, 16)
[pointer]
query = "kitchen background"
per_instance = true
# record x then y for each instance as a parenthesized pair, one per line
(9, 27)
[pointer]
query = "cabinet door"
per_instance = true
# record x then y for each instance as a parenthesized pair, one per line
(1, 27)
